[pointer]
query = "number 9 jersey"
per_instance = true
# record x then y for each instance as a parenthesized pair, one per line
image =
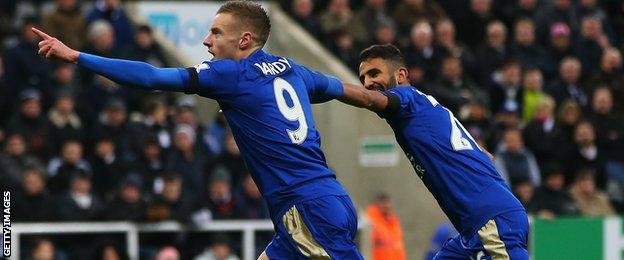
(450, 163)
(267, 100)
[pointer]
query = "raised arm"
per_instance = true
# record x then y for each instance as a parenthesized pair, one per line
(125, 72)
(359, 96)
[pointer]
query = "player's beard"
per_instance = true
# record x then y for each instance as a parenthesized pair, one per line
(392, 82)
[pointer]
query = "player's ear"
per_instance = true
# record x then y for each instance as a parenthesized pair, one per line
(246, 41)
(401, 75)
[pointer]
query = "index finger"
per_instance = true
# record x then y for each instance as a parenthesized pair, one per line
(41, 34)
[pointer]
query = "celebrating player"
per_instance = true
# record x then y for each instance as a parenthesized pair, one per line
(492, 223)
(266, 100)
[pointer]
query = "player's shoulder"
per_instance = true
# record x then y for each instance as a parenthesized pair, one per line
(219, 66)
(266, 64)
(404, 92)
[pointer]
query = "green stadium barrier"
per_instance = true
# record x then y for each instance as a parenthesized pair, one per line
(577, 238)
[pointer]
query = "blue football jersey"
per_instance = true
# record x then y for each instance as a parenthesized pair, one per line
(452, 166)
(266, 101)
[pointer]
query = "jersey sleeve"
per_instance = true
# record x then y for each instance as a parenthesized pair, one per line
(398, 100)
(321, 87)
(213, 79)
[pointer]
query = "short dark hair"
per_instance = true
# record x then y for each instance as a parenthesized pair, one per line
(252, 16)
(386, 52)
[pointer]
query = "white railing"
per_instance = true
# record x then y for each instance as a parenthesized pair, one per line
(132, 230)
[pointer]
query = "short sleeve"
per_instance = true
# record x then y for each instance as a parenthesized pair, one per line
(213, 79)
(321, 87)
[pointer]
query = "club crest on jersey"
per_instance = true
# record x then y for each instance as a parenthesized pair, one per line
(273, 68)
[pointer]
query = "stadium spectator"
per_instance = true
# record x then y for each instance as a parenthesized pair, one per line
(477, 121)
(145, 48)
(32, 202)
(560, 45)
(568, 116)
(23, 67)
(67, 22)
(230, 161)
(540, 134)
(532, 94)
(407, 12)
(65, 78)
(64, 122)
(586, 8)
(387, 236)
(525, 49)
(150, 165)
(454, 88)
(168, 253)
(552, 12)
(112, 11)
(524, 192)
(251, 205)
(493, 52)
(101, 41)
(108, 168)
(445, 39)
(591, 44)
(220, 200)
(385, 34)
(476, 23)
(219, 249)
(421, 48)
(79, 203)
(586, 154)
(338, 16)
(568, 85)
(302, 12)
(551, 199)
(591, 202)
(109, 250)
(44, 249)
(128, 203)
(215, 133)
(153, 125)
(343, 46)
(187, 159)
(31, 124)
(62, 168)
(113, 124)
(184, 113)
(506, 92)
(15, 160)
(6, 103)
(610, 73)
(368, 19)
(514, 162)
(174, 203)
(525, 9)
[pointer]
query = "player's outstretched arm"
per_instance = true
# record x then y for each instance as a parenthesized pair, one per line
(359, 96)
(125, 72)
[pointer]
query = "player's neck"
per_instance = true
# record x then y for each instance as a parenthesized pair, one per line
(243, 54)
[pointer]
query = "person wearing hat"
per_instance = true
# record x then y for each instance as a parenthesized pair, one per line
(551, 199)
(128, 204)
(560, 44)
(185, 114)
(31, 124)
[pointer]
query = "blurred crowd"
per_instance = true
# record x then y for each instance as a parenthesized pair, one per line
(538, 82)
(75, 146)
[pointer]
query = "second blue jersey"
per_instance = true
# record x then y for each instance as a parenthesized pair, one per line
(266, 101)
(452, 166)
